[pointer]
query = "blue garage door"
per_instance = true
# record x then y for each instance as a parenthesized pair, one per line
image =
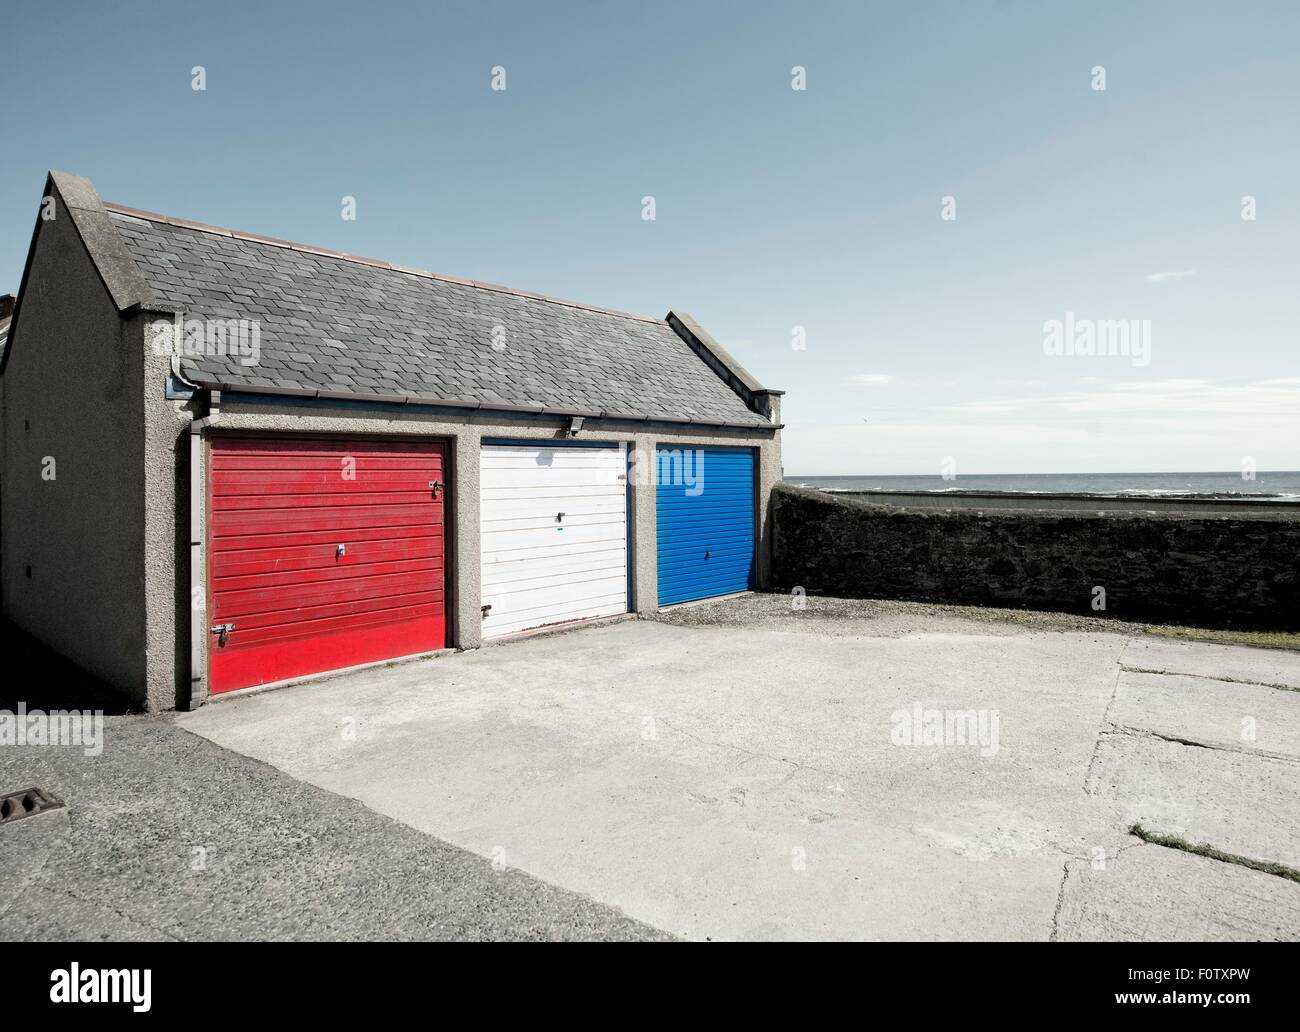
(705, 499)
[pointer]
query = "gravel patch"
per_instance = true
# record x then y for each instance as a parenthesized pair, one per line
(167, 836)
(890, 618)
(883, 618)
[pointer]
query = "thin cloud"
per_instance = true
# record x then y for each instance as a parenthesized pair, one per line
(1169, 277)
(1177, 386)
(872, 380)
(1185, 402)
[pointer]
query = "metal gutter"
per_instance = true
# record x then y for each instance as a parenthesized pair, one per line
(507, 411)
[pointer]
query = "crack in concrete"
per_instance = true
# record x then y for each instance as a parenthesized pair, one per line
(1105, 719)
(128, 918)
(1143, 732)
(1204, 849)
(1060, 902)
(1106, 728)
(1065, 878)
(1208, 677)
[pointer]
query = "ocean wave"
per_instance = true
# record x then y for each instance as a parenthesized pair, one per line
(1135, 493)
(1167, 492)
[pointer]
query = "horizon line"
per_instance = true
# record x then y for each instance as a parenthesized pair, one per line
(1110, 473)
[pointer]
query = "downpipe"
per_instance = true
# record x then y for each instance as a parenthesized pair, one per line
(198, 694)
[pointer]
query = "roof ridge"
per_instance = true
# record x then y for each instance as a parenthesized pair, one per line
(202, 227)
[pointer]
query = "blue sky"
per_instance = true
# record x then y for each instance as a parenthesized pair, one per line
(775, 208)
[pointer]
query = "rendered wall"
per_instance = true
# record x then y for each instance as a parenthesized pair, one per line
(166, 432)
(72, 393)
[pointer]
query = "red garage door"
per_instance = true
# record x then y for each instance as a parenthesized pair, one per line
(322, 554)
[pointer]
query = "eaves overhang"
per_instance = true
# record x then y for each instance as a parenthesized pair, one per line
(486, 408)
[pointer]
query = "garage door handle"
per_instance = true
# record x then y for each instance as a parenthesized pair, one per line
(708, 554)
(340, 551)
(436, 487)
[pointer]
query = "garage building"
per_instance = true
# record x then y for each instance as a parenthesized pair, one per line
(233, 461)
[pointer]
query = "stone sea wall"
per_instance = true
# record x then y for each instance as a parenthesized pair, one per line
(1233, 570)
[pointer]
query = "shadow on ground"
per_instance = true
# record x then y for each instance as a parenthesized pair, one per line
(42, 679)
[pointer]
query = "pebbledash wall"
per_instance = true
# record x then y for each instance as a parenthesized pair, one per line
(1215, 571)
(73, 512)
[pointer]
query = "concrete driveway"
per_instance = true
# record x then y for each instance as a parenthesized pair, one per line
(801, 777)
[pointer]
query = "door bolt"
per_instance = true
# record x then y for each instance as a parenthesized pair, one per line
(223, 630)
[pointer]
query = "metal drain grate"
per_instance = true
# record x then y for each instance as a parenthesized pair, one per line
(17, 805)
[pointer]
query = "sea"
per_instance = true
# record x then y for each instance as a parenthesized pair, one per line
(1266, 486)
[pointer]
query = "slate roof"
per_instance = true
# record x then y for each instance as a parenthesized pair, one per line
(345, 325)
(5, 304)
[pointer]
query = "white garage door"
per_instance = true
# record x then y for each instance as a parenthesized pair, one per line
(554, 535)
